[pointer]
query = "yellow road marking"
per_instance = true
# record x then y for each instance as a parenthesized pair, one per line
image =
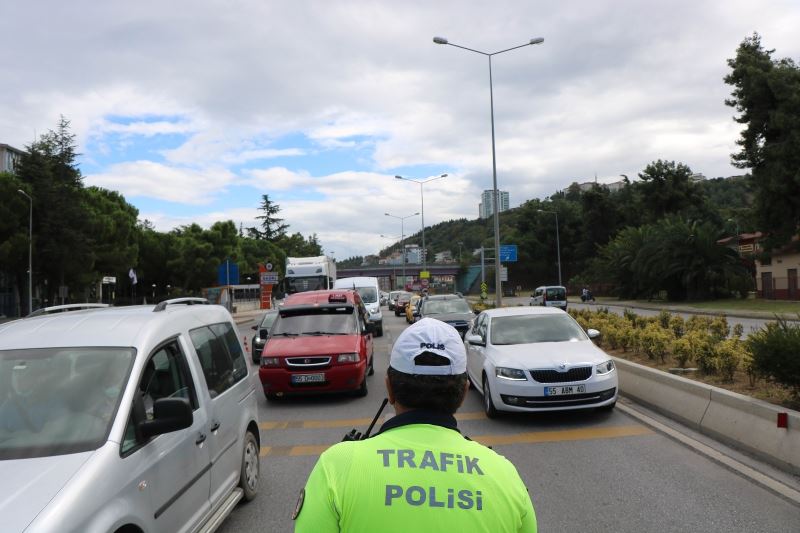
(564, 435)
(346, 422)
(494, 440)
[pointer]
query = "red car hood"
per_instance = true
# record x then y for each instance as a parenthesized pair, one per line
(311, 345)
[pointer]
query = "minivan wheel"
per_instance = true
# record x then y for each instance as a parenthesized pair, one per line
(488, 404)
(379, 330)
(251, 467)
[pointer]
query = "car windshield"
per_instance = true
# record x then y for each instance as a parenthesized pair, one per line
(268, 320)
(368, 294)
(528, 329)
(339, 321)
(59, 400)
(440, 307)
(556, 293)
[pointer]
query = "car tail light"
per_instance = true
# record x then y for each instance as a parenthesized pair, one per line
(270, 362)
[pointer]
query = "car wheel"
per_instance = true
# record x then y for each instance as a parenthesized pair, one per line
(362, 390)
(371, 367)
(271, 396)
(251, 467)
(379, 330)
(488, 404)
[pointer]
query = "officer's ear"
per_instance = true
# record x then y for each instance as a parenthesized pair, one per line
(464, 397)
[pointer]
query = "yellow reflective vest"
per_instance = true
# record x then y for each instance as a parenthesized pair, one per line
(414, 476)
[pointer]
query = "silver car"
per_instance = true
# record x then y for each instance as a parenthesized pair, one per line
(125, 419)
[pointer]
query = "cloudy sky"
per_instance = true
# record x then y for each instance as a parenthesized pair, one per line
(194, 109)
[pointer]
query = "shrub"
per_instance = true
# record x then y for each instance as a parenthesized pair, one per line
(682, 351)
(677, 325)
(728, 356)
(630, 316)
(698, 323)
(702, 351)
(775, 350)
(719, 328)
(664, 318)
(655, 342)
(738, 330)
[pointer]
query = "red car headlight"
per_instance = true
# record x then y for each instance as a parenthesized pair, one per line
(267, 362)
(347, 358)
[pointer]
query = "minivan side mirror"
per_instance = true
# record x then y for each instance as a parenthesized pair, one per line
(169, 414)
(593, 333)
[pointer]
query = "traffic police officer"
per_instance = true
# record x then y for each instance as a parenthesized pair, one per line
(418, 473)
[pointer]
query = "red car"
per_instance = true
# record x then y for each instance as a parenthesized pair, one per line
(321, 342)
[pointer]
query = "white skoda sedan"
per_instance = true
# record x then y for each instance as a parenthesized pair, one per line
(537, 359)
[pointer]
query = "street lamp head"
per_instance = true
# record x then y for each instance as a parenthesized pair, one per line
(537, 40)
(399, 177)
(440, 40)
(443, 176)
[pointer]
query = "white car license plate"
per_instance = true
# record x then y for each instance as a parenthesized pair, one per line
(308, 378)
(564, 390)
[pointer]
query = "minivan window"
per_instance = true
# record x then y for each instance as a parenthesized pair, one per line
(556, 293)
(368, 294)
(56, 401)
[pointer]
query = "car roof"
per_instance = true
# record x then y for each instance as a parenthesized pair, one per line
(319, 297)
(133, 326)
(444, 297)
(524, 310)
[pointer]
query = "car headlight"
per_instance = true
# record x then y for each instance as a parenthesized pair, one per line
(270, 362)
(604, 368)
(347, 358)
(514, 374)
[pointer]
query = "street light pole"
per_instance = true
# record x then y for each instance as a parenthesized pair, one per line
(402, 239)
(422, 209)
(498, 298)
(558, 243)
(30, 251)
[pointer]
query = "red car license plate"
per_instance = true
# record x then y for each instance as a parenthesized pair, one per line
(308, 378)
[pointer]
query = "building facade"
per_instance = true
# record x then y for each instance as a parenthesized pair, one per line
(486, 205)
(9, 158)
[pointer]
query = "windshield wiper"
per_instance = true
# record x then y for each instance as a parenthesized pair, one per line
(323, 333)
(285, 334)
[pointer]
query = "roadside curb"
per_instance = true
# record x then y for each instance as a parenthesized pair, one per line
(693, 311)
(736, 420)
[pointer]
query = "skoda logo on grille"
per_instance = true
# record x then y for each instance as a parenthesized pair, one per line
(562, 366)
(306, 361)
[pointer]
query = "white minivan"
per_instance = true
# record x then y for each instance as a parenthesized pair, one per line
(550, 296)
(369, 291)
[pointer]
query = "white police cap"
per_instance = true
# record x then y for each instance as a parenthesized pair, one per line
(429, 335)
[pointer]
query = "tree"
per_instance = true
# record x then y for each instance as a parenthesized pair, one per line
(766, 94)
(49, 169)
(272, 227)
(667, 188)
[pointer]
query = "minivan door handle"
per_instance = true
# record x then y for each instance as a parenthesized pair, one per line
(200, 439)
(215, 425)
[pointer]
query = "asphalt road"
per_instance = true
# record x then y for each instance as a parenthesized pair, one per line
(585, 471)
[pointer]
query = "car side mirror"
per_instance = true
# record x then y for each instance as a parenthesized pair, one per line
(169, 414)
(476, 340)
(593, 333)
(476, 311)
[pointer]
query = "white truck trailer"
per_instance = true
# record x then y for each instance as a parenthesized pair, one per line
(309, 273)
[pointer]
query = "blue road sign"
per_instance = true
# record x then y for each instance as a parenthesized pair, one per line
(508, 253)
(228, 273)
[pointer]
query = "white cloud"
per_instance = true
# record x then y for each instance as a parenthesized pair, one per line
(155, 180)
